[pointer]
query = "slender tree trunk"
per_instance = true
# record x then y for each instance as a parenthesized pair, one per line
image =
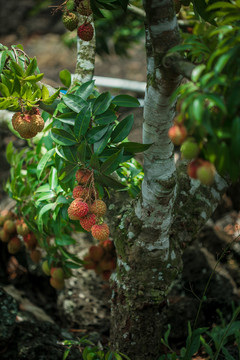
(149, 238)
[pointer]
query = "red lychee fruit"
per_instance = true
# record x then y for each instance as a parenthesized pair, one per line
(45, 268)
(83, 176)
(107, 264)
(98, 207)
(85, 32)
(57, 273)
(57, 284)
(177, 133)
(9, 226)
(189, 149)
(30, 241)
(206, 173)
(4, 236)
(80, 192)
(14, 245)
(108, 245)
(77, 209)
(88, 263)
(88, 221)
(36, 256)
(192, 168)
(100, 232)
(96, 253)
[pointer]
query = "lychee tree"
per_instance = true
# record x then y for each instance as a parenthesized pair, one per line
(84, 134)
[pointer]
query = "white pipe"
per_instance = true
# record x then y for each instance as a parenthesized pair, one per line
(131, 85)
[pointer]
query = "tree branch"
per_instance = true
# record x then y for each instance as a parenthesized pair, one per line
(178, 64)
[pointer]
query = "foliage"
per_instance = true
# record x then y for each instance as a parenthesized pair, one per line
(209, 103)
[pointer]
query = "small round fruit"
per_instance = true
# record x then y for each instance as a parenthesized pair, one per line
(88, 221)
(14, 245)
(89, 264)
(4, 236)
(36, 256)
(46, 268)
(57, 273)
(96, 253)
(57, 284)
(77, 209)
(100, 232)
(9, 226)
(189, 149)
(85, 32)
(206, 173)
(30, 241)
(83, 176)
(177, 133)
(98, 207)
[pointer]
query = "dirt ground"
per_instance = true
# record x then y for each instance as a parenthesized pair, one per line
(83, 307)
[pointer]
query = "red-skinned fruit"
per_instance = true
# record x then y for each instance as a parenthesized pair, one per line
(9, 226)
(77, 209)
(177, 133)
(192, 168)
(189, 149)
(88, 263)
(36, 256)
(46, 268)
(206, 173)
(106, 275)
(22, 228)
(98, 207)
(30, 241)
(5, 215)
(57, 284)
(83, 176)
(57, 273)
(4, 236)
(14, 245)
(85, 32)
(100, 232)
(107, 264)
(80, 192)
(108, 245)
(88, 221)
(96, 253)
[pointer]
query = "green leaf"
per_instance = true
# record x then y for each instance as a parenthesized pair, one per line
(74, 102)
(3, 57)
(105, 118)
(65, 77)
(85, 89)
(110, 181)
(102, 103)
(217, 101)
(34, 78)
(62, 137)
(134, 147)
(43, 210)
(122, 129)
(53, 178)
(67, 118)
(43, 162)
(94, 162)
(71, 153)
(45, 93)
(126, 101)
(112, 163)
(51, 99)
(96, 133)
(31, 67)
(81, 151)
(100, 145)
(9, 152)
(82, 122)
(16, 68)
(64, 240)
(235, 143)
(197, 71)
(4, 90)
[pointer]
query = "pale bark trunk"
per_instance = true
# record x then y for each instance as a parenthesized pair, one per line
(150, 238)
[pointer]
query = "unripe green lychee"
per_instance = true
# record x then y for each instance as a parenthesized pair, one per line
(177, 133)
(70, 21)
(84, 8)
(88, 221)
(77, 209)
(100, 232)
(98, 207)
(189, 149)
(14, 245)
(206, 173)
(46, 268)
(57, 284)
(70, 5)
(9, 226)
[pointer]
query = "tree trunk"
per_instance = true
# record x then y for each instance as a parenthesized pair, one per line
(148, 241)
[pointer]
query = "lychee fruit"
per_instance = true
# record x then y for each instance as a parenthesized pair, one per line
(27, 125)
(84, 8)
(85, 32)
(70, 21)
(80, 192)
(192, 168)
(108, 245)
(9, 226)
(70, 5)
(107, 264)
(36, 256)
(22, 228)
(30, 241)
(57, 284)
(45, 268)
(83, 176)
(206, 173)
(57, 273)
(177, 133)
(100, 232)
(4, 236)
(96, 253)
(88, 221)
(5, 215)
(77, 209)
(98, 207)
(14, 245)
(88, 263)
(189, 149)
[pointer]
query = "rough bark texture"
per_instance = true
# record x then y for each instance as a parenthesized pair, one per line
(170, 211)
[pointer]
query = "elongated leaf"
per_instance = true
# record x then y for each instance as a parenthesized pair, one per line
(82, 122)
(64, 240)
(100, 145)
(126, 101)
(34, 78)
(122, 129)
(96, 133)
(65, 77)
(3, 56)
(134, 147)
(107, 117)
(112, 163)
(45, 196)
(81, 152)
(67, 118)
(16, 68)
(85, 89)
(102, 103)
(71, 153)
(4, 90)
(110, 181)
(43, 162)
(62, 137)
(94, 162)
(45, 93)
(53, 178)
(74, 102)
(31, 67)
(51, 99)
(43, 210)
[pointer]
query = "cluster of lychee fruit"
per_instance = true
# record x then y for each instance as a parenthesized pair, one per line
(102, 259)
(70, 18)
(56, 273)
(15, 233)
(28, 123)
(197, 168)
